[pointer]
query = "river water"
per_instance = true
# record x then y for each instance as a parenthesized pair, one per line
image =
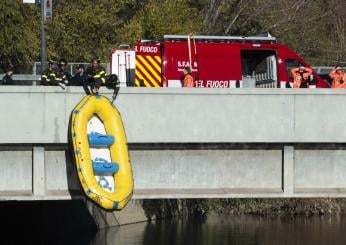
(237, 230)
(69, 222)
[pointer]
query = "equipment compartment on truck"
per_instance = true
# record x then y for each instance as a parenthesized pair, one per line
(259, 68)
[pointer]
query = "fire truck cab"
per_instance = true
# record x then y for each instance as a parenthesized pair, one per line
(215, 61)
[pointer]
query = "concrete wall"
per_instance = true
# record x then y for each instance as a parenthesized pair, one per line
(166, 115)
(288, 172)
(184, 143)
(16, 172)
(197, 173)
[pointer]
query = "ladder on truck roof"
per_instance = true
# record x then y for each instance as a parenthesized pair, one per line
(265, 39)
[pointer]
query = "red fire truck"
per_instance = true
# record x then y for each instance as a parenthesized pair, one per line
(216, 62)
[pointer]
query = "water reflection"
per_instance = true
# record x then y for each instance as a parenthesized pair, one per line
(232, 230)
(46, 222)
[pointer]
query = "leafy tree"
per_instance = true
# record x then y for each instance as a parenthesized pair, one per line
(83, 29)
(80, 29)
(162, 17)
(19, 39)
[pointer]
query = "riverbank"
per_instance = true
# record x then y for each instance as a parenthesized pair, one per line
(157, 209)
(280, 206)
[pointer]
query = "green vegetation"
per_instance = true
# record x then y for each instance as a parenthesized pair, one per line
(18, 41)
(158, 18)
(158, 209)
(315, 29)
(272, 206)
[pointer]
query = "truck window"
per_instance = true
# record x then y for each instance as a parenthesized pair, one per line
(291, 63)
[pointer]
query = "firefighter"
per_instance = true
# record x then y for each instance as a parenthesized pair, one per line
(339, 77)
(7, 79)
(62, 76)
(96, 76)
(49, 75)
(301, 76)
(188, 80)
(79, 78)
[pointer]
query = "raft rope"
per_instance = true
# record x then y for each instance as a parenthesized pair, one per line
(115, 93)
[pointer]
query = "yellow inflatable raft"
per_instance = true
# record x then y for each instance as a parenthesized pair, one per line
(100, 151)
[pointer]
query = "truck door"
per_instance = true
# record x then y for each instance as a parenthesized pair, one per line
(259, 68)
(122, 63)
(289, 65)
(288, 60)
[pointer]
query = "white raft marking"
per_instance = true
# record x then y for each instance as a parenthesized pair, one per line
(106, 181)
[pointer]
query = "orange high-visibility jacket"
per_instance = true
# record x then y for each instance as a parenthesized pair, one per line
(339, 79)
(298, 78)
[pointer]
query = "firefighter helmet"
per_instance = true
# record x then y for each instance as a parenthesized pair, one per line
(62, 62)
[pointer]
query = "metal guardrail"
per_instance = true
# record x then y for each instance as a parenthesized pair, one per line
(34, 68)
(30, 73)
(26, 79)
(323, 69)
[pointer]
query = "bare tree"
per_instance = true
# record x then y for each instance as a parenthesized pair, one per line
(313, 28)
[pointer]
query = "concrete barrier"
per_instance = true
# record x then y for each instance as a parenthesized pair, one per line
(184, 143)
(37, 114)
